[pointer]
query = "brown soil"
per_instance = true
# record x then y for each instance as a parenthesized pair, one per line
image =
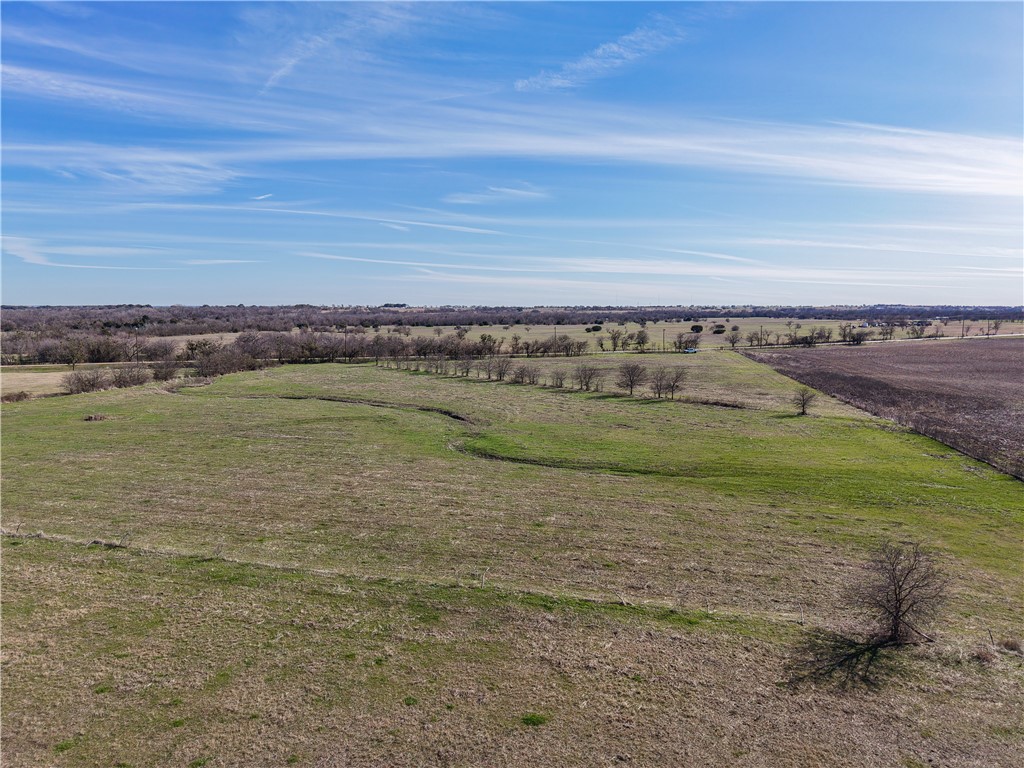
(967, 394)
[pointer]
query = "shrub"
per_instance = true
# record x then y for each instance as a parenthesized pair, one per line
(77, 382)
(984, 655)
(15, 397)
(223, 361)
(130, 375)
(164, 370)
(1011, 644)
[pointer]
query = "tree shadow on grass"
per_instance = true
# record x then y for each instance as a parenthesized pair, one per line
(831, 657)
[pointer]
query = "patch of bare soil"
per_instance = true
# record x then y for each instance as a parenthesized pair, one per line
(967, 394)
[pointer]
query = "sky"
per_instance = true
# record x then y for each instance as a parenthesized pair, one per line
(512, 153)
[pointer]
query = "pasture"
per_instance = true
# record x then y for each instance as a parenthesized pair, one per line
(357, 565)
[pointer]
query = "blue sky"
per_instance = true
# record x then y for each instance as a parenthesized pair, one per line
(512, 153)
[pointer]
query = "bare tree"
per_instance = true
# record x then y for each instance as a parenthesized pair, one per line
(485, 366)
(659, 380)
(803, 398)
(585, 376)
(72, 351)
(901, 592)
(685, 341)
(733, 338)
(557, 378)
(630, 376)
(675, 381)
(159, 350)
(502, 366)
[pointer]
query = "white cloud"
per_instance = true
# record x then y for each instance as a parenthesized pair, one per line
(850, 154)
(522, 192)
(32, 251)
(420, 264)
(127, 169)
(216, 262)
(885, 247)
(656, 35)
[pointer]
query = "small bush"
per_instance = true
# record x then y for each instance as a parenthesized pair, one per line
(77, 382)
(984, 655)
(1012, 644)
(15, 397)
(164, 370)
(533, 719)
(224, 361)
(130, 375)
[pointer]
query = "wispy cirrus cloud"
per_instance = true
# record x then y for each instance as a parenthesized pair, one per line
(344, 31)
(421, 264)
(32, 251)
(218, 262)
(656, 34)
(519, 193)
(132, 169)
(877, 246)
(677, 269)
(835, 153)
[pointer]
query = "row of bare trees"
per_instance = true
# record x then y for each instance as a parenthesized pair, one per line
(662, 381)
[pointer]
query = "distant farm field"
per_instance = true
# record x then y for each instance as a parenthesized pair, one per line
(350, 565)
(968, 394)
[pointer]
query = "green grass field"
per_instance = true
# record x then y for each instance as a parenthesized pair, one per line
(323, 568)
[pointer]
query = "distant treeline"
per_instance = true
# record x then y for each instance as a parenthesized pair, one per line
(252, 349)
(146, 320)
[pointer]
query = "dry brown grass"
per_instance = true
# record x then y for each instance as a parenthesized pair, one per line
(156, 660)
(284, 558)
